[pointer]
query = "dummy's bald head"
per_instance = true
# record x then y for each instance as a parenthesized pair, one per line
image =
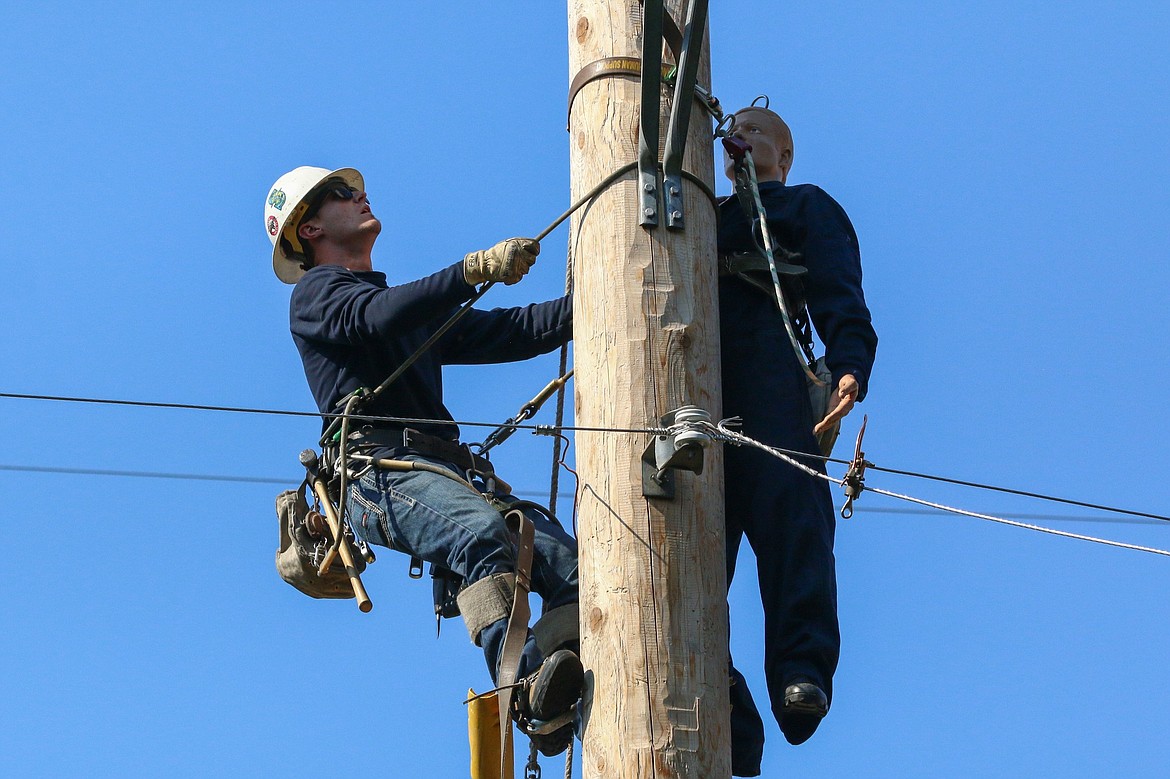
(771, 140)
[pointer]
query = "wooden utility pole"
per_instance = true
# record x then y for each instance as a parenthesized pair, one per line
(653, 584)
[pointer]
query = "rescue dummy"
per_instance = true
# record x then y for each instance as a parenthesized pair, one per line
(786, 515)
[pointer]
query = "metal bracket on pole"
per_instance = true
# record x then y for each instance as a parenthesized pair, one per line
(651, 101)
(680, 112)
(671, 451)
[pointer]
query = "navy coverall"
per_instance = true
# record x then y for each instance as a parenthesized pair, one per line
(353, 330)
(787, 515)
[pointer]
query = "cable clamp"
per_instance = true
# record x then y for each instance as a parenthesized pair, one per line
(854, 481)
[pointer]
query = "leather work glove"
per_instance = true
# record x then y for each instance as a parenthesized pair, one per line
(507, 261)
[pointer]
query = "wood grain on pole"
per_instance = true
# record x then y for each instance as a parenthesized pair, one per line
(646, 341)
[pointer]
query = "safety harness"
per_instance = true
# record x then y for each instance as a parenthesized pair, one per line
(789, 294)
(310, 546)
(747, 190)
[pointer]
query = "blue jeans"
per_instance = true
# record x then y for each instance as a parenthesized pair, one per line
(442, 522)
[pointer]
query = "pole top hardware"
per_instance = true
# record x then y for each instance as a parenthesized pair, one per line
(679, 447)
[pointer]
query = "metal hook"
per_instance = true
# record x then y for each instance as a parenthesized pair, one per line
(767, 103)
(729, 120)
(854, 481)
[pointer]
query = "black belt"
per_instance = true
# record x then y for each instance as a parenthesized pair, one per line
(453, 452)
(745, 262)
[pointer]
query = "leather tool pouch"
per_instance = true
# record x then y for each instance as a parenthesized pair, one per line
(820, 397)
(301, 551)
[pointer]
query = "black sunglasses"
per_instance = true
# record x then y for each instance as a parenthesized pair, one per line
(339, 191)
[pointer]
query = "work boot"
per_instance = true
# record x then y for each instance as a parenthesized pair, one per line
(548, 694)
(805, 705)
(555, 686)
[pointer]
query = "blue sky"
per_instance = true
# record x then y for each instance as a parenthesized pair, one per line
(1004, 164)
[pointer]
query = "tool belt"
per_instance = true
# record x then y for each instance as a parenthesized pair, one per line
(303, 546)
(457, 454)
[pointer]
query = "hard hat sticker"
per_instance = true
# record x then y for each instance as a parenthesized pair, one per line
(272, 225)
(277, 200)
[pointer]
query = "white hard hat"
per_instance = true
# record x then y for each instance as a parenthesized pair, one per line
(287, 202)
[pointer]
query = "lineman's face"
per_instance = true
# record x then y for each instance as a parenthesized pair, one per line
(344, 212)
(771, 146)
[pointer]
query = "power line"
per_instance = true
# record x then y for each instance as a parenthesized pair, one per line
(973, 484)
(552, 430)
(722, 433)
(1025, 526)
(145, 474)
(292, 480)
(543, 429)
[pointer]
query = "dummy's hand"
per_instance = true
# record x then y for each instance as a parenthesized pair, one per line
(845, 396)
(507, 261)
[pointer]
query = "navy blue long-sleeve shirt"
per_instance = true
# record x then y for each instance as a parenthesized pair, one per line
(804, 219)
(353, 330)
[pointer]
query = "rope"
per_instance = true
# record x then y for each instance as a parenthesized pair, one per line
(1022, 493)
(1025, 525)
(721, 432)
(559, 419)
(761, 220)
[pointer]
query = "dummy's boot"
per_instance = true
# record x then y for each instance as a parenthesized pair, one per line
(805, 705)
(548, 697)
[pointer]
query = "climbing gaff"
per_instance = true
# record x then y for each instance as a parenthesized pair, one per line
(483, 731)
(854, 481)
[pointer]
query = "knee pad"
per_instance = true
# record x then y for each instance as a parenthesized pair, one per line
(486, 601)
(556, 628)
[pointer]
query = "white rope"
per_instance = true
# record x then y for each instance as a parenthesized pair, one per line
(721, 432)
(1024, 525)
